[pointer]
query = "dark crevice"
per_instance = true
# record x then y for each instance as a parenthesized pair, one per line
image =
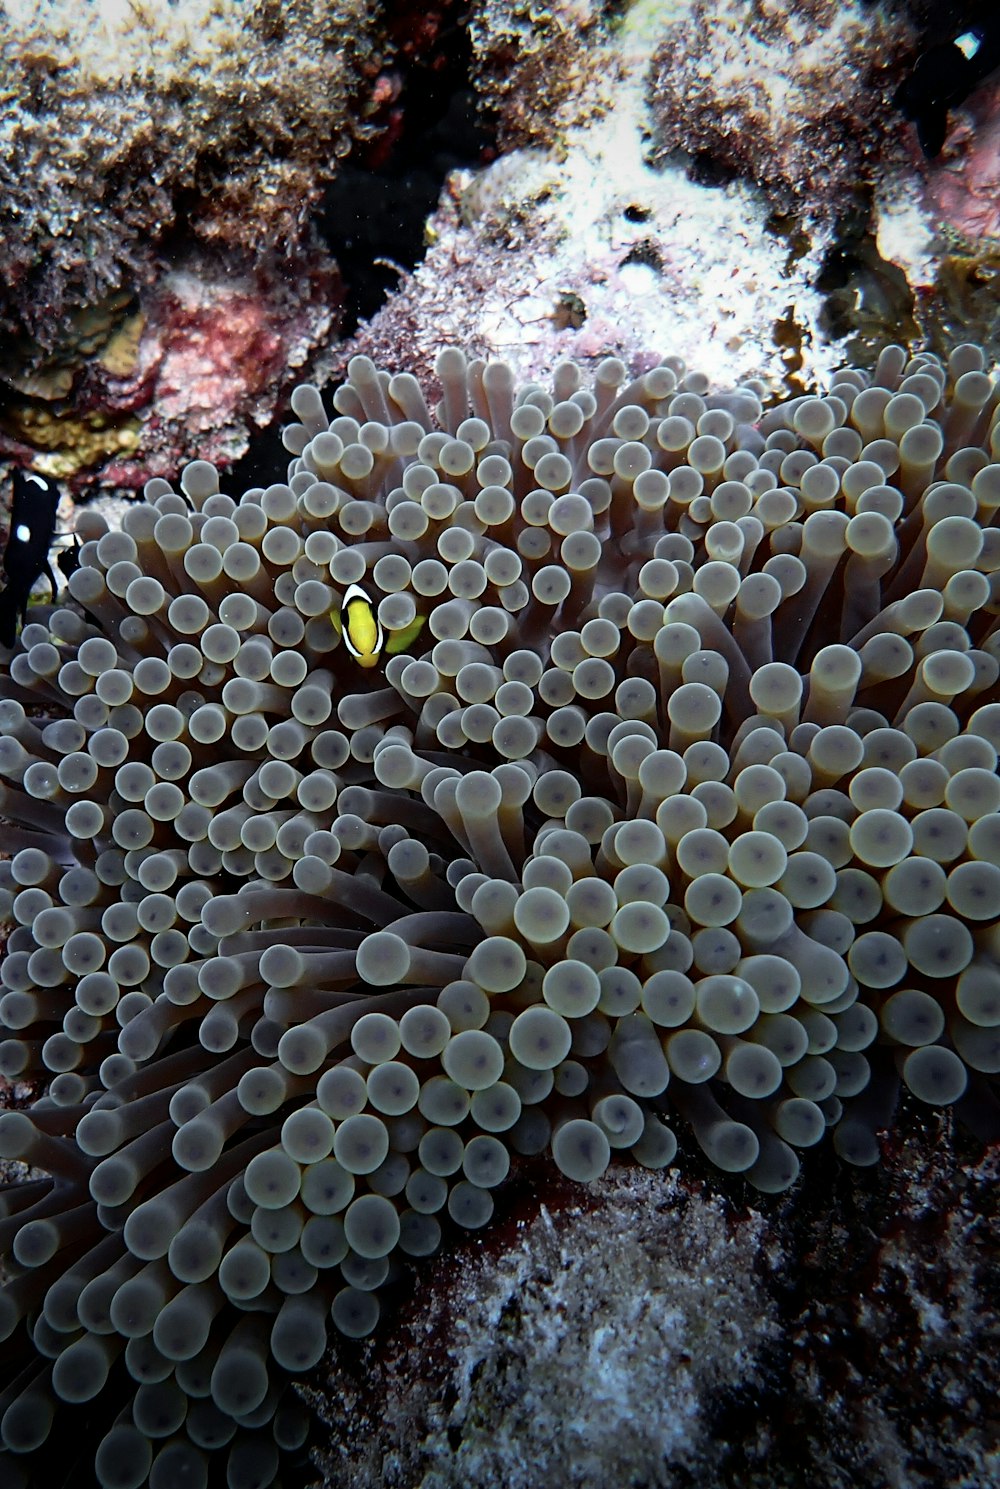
(372, 218)
(372, 221)
(867, 299)
(376, 207)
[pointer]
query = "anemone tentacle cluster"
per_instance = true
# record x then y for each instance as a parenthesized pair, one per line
(682, 803)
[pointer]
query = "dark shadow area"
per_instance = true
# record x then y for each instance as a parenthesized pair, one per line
(373, 215)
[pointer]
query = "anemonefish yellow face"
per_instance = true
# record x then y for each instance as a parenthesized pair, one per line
(360, 627)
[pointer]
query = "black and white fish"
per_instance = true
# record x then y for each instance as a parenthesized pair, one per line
(943, 77)
(26, 556)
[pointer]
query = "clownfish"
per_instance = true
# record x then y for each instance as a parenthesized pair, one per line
(943, 77)
(359, 625)
(26, 556)
(361, 629)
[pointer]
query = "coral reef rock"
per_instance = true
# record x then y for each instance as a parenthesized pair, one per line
(795, 95)
(197, 361)
(583, 249)
(542, 68)
(145, 124)
(598, 1344)
(653, 1332)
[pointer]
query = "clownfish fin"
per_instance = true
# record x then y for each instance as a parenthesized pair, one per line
(401, 640)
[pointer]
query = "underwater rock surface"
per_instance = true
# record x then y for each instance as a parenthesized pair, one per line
(139, 127)
(656, 1332)
(159, 275)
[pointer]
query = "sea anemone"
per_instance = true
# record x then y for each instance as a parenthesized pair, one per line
(672, 791)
